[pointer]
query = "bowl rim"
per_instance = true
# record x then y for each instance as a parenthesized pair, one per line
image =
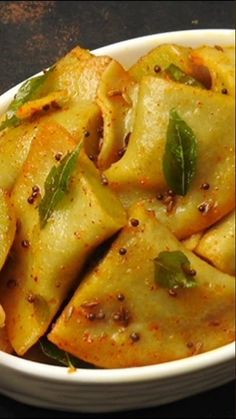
(223, 354)
(183, 366)
(160, 37)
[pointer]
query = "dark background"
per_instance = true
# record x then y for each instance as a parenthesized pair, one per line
(33, 34)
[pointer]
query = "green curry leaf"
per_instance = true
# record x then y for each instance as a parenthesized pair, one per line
(62, 357)
(173, 270)
(179, 160)
(176, 74)
(57, 185)
(28, 91)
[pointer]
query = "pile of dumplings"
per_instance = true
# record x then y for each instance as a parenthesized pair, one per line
(117, 207)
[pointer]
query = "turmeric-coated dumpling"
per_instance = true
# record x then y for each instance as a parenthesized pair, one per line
(133, 308)
(196, 164)
(51, 247)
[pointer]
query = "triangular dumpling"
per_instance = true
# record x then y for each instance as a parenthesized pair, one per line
(140, 170)
(45, 262)
(121, 317)
(217, 245)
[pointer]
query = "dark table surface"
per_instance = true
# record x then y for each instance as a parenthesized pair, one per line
(33, 34)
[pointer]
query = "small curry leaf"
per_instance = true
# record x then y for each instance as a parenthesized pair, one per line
(29, 90)
(62, 357)
(179, 160)
(176, 74)
(57, 185)
(173, 270)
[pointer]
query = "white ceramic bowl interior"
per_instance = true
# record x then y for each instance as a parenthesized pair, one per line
(98, 390)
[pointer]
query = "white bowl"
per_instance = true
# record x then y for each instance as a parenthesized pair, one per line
(98, 390)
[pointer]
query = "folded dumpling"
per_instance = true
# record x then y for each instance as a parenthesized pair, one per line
(123, 316)
(139, 172)
(47, 259)
(217, 245)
